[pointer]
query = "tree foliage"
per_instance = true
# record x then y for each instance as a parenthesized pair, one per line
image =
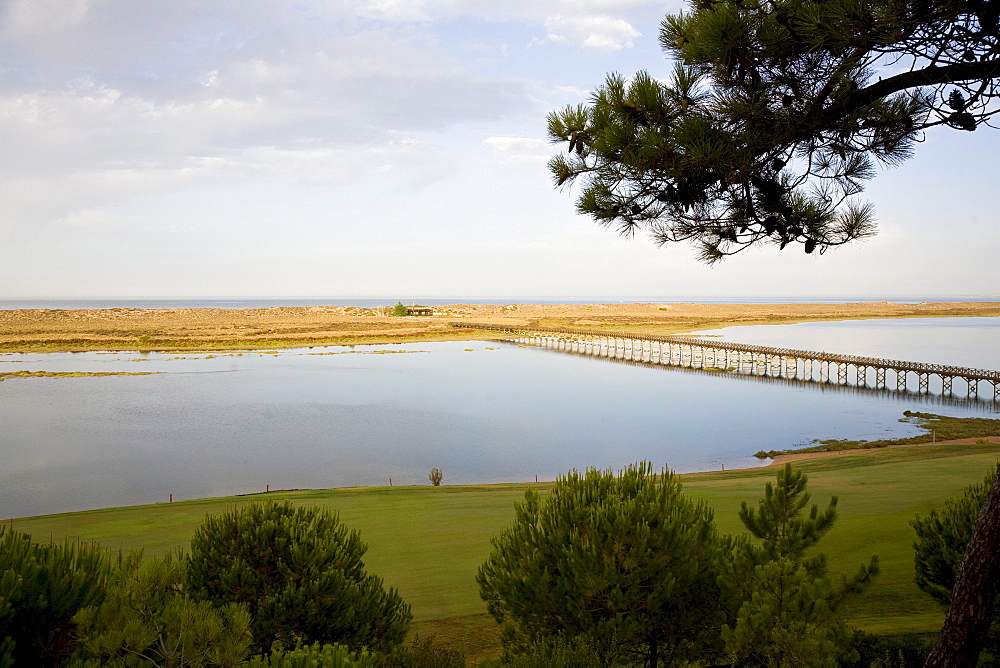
(627, 561)
(787, 609)
(316, 656)
(41, 588)
(942, 540)
(146, 619)
(775, 115)
(301, 574)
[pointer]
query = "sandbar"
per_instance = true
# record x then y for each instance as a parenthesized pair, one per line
(51, 330)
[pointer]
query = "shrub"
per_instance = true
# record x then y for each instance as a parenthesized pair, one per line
(436, 476)
(907, 651)
(41, 588)
(145, 615)
(300, 572)
(316, 656)
(422, 653)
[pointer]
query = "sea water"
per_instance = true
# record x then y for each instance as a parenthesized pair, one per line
(228, 423)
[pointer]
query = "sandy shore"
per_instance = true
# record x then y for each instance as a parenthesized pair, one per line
(167, 329)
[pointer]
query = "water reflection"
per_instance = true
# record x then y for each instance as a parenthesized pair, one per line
(974, 402)
(216, 424)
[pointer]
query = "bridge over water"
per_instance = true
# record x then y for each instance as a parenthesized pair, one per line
(740, 358)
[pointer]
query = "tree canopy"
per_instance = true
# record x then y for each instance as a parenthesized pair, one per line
(300, 572)
(625, 561)
(42, 586)
(944, 539)
(775, 115)
(787, 609)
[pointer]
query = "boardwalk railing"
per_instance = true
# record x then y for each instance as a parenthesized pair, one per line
(762, 360)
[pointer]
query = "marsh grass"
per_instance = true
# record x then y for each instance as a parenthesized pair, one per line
(936, 428)
(246, 345)
(73, 374)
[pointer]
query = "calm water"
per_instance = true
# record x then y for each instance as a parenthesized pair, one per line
(228, 423)
(970, 342)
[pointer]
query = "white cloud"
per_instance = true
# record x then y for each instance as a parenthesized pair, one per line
(490, 10)
(28, 18)
(391, 10)
(520, 149)
(267, 129)
(597, 32)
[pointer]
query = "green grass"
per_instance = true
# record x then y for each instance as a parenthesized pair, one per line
(936, 428)
(429, 541)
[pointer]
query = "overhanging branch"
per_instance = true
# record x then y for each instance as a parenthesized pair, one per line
(928, 76)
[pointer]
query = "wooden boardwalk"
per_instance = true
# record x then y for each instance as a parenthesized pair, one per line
(788, 363)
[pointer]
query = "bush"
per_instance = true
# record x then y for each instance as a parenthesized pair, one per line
(299, 571)
(436, 476)
(908, 651)
(146, 616)
(315, 656)
(41, 588)
(551, 652)
(422, 653)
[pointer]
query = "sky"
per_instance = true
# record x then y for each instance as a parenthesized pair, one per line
(183, 148)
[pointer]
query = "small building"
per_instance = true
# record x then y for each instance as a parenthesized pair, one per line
(419, 310)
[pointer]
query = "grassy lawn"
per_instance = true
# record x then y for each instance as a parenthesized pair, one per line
(428, 541)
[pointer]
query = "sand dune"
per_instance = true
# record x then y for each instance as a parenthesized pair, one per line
(157, 329)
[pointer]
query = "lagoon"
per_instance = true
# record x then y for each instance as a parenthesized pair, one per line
(230, 423)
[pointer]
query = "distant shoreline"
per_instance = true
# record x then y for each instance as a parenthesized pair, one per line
(186, 329)
(239, 303)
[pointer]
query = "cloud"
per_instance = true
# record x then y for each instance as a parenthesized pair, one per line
(596, 32)
(490, 10)
(596, 24)
(520, 149)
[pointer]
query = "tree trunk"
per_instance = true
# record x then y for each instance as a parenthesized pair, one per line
(974, 593)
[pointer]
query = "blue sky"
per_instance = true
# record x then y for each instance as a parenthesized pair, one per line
(384, 147)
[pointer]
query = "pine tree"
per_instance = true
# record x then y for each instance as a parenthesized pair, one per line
(626, 562)
(300, 572)
(147, 619)
(787, 609)
(42, 586)
(943, 541)
(773, 118)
